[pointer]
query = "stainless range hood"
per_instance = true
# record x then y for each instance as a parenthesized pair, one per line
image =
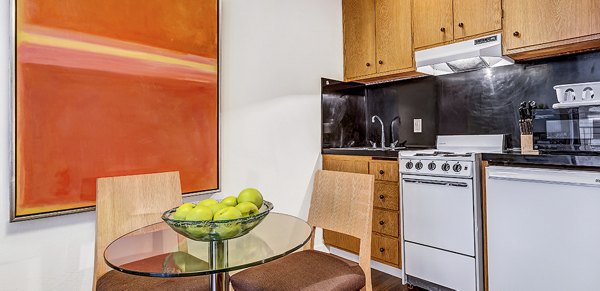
(469, 55)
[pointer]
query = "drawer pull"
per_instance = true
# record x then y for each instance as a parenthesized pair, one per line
(381, 197)
(381, 172)
(381, 222)
(381, 250)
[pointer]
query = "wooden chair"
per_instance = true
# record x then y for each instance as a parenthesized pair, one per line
(341, 202)
(124, 204)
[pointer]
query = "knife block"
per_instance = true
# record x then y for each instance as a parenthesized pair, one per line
(527, 144)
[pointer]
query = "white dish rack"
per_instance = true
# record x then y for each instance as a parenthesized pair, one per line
(575, 95)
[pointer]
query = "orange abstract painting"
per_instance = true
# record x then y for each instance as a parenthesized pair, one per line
(109, 88)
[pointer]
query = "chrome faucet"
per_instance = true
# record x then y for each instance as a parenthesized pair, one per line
(382, 130)
(394, 140)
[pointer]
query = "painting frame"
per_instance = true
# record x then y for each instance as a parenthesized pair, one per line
(12, 35)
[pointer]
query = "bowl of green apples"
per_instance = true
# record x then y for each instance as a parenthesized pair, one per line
(210, 220)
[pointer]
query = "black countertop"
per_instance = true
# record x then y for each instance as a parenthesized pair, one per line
(551, 160)
(356, 152)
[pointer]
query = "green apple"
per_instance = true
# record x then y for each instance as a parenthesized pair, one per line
(216, 207)
(251, 195)
(182, 211)
(199, 213)
(208, 202)
(228, 231)
(247, 208)
(230, 201)
(198, 231)
(228, 213)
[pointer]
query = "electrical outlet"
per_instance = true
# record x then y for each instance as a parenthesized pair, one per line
(418, 125)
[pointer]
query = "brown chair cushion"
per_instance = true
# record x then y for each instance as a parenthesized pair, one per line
(119, 281)
(306, 270)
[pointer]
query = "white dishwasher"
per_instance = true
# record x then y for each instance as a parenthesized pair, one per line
(543, 229)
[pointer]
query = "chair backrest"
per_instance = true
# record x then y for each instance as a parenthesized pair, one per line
(343, 202)
(126, 203)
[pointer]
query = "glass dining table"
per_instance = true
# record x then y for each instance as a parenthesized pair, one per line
(158, 251)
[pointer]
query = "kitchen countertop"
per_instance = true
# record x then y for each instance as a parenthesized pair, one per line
(370, 152)
(354, 152)
(560, 160)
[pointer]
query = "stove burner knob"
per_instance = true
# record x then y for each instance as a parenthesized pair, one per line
(446, 167)
(457, 168)
(409, 165)
(431, 166)
(419, 166)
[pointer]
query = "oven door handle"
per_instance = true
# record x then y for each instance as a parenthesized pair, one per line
(439, 183)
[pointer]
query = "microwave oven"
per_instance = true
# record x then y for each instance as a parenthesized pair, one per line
(567, 130)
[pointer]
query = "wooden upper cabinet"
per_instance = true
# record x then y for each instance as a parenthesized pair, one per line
(476, 17)
(432, 22)
(359, 38)
(393, 35)
(536, 22)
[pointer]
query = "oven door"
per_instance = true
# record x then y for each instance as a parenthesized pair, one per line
(439, 212)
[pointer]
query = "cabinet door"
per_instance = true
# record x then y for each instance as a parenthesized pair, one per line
(432, 22)
(534, 22)
(474, 17)
(359, 38)
(393, 35)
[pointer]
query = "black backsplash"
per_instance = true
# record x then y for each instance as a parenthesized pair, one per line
(409, 100)
(486, 101)
(478, 102)
(343, 114)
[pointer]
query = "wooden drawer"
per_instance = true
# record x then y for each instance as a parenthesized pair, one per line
(385, 249)
(341, 241)
(387, 195)
(346, 164)
(385, 222)
(384, 170)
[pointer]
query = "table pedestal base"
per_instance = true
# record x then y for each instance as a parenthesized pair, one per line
(218, 259)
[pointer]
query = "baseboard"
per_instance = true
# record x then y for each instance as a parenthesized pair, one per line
(374, 264)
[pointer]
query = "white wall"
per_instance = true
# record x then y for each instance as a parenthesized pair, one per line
(274, 53)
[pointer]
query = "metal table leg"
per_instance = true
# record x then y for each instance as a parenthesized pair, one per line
(218, 259)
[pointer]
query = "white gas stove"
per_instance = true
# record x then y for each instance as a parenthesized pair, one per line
(441, 213)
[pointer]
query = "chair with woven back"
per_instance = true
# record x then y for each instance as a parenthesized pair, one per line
(341, 202)
(124, 204)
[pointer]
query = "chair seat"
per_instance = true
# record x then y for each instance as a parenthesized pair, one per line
(305, 270)
(119, 281)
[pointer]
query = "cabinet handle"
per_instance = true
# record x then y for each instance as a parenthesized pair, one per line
(381, 222)
(368, 64)
(516, 34)
(381, 250)
(461, 24)
(443, 29)
(381, 172)
(381, 196)
(380, 62)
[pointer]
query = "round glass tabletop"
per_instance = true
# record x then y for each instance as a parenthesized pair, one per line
(158, 251)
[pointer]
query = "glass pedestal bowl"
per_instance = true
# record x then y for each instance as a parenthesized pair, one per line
(209, 230)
